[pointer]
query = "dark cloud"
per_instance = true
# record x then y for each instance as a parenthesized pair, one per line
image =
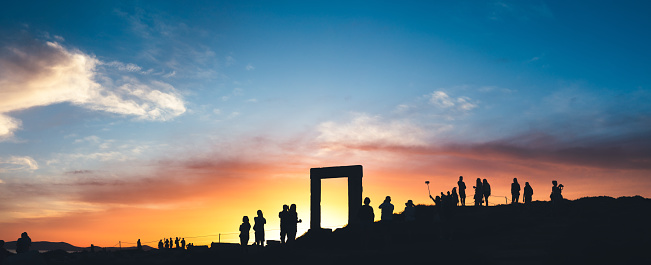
(76, 172)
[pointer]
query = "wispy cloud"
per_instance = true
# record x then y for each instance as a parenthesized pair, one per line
(229, 60)
(18, 163)
(171, 74)
(129, 67)
(250, 67)
(523, 11)
(444, 101)
(39, 73)
(365, 130)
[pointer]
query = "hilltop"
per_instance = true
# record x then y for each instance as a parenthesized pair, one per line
(595, 230)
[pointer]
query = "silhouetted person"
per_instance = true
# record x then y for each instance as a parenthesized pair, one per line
(167, 243)
(293, 227)
(366, 218)
(171, 243)
(365, 214)
(3, 252)
(23, 243)
(528, 193)
(176, 242)
(387, 209)
(462, 191)
(486, 188)
(160, 244)
(92, 248)
(479, 193)
(437, 201)
(258, 227)
(245, 228)
(138, 244)
(455, 196)
(410, 211)
(284, 223)
(515, 191)
(556, 192)
(183, 243)
(444, 200)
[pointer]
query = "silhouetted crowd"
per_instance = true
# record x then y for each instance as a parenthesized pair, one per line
(169, 243)
(289, 220)
(483, 192)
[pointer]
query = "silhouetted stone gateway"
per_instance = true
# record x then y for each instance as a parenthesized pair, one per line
(354, 175)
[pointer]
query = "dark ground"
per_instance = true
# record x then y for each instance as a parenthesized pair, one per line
(596, 230)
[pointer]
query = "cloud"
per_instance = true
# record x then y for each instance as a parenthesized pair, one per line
(441, 99)
(229, 60)
(365, 130)
(234, 114)
(38, 73)
(173, 73)
(90, 139)
(18, 163)
(7, 127)
(444, 101)
(129, 67)
(249, 67)
(465, 103)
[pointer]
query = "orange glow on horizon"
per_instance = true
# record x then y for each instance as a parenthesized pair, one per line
(219, 210)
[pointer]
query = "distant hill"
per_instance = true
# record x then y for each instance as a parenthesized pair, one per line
(47, 246)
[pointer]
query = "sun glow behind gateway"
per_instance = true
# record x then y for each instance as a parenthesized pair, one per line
(354, 175)
(334, 203)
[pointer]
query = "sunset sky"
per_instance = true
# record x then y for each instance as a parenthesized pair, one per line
(157, 119)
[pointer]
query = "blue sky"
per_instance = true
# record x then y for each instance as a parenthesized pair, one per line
(106, 91)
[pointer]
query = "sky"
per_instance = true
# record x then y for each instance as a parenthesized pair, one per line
(126, 120)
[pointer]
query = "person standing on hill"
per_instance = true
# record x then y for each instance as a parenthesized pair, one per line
(284, 223)
(365, 214)
(410, 211)
(556, 196)
(23, 243)
(245, 228)
(387, 210)
(479, 193)
(486, 188)
(293, 223)
(160, 244)
(462, 191)
(528, 193)
(515, 191)
(455, 197)
(176, 242)
(258, 227)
